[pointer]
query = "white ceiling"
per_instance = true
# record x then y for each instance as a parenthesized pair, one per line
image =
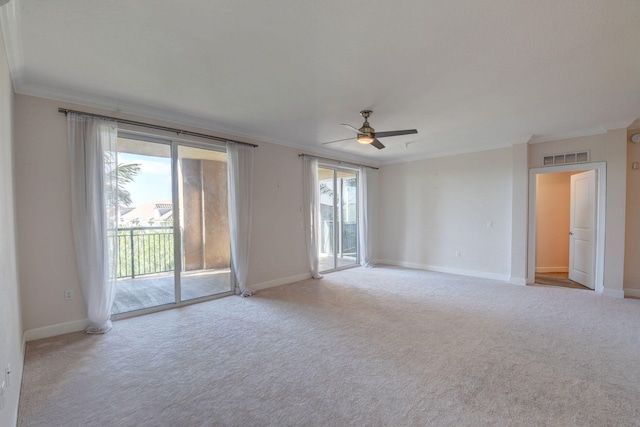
(468, 74)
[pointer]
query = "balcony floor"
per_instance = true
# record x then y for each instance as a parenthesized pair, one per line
(158, 289)
(326, 262)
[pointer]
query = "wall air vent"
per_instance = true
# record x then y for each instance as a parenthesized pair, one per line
(566, 158)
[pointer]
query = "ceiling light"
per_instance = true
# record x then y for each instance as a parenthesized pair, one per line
(364, 138)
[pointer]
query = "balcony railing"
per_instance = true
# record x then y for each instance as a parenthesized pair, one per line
(144, 250)
(149, 250)
(349, 236)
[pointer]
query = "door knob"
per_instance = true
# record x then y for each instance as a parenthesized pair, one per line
(571, 233)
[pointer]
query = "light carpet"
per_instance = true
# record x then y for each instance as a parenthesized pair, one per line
(375, 347)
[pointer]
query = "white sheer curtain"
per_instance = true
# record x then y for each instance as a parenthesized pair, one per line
(311, 208)
(240, 175)
(93, 155)
(364, 217)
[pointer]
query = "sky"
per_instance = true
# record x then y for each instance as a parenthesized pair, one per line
(154, 180)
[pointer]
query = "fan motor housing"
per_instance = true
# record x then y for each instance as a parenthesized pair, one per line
(366, 129)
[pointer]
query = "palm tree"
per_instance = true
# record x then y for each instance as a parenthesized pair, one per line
(120, 176)
(125, 174)
(325, 189)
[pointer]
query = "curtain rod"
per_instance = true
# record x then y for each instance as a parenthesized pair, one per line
(157, 127)
(336, 160)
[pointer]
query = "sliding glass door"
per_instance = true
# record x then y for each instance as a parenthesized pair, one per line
(145, 226)
(338, 217)
(173, 230)
(204, 224)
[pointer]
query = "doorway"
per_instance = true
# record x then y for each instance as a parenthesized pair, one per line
(338, 218)
(173, 231)
(564, 227)
(552, 254)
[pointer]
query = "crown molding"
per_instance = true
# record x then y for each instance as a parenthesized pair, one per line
(185, 119)
(604, 128)
(624, 123)
(177, 118)
(536, 139)
(448, 153)
(635, 125)
(10, 22)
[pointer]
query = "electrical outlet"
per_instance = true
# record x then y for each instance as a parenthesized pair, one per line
(457, 254)
(68, 295)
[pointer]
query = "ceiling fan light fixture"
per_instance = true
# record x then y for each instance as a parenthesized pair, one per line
(364, 138)
(368, 135)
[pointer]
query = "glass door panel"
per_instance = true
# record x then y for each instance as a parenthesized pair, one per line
(327, 214)
(338, 218)
(204, 224)
(145, 226)
(348, 221)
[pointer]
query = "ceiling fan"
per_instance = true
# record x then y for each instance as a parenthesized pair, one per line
(368, 135)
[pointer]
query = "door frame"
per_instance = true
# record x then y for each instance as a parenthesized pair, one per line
(173, 144)
(601, 200)
(337, 238)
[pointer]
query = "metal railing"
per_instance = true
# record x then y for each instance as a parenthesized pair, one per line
(349, 236)
(144, 250)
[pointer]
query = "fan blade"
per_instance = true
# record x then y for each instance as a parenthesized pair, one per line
(396, 133)
(339, 140)
(351, 128)
(377, 144)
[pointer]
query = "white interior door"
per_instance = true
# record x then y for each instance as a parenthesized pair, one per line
(582, 231)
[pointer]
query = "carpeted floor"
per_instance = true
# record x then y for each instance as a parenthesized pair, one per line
(375, 347)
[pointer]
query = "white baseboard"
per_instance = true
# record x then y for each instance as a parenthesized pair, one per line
(552, 269)
(632, 292)
(279, 282)
(53, 330)
(449, 270)
(614, 293)
(81, 325)
(518, 281)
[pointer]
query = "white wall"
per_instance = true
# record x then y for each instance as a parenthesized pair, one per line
(11, 348)
(45, 242)
(276, 232)
(431, 209)
(632, 243)
(609, 147)
(47, 260)
(519, 213)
